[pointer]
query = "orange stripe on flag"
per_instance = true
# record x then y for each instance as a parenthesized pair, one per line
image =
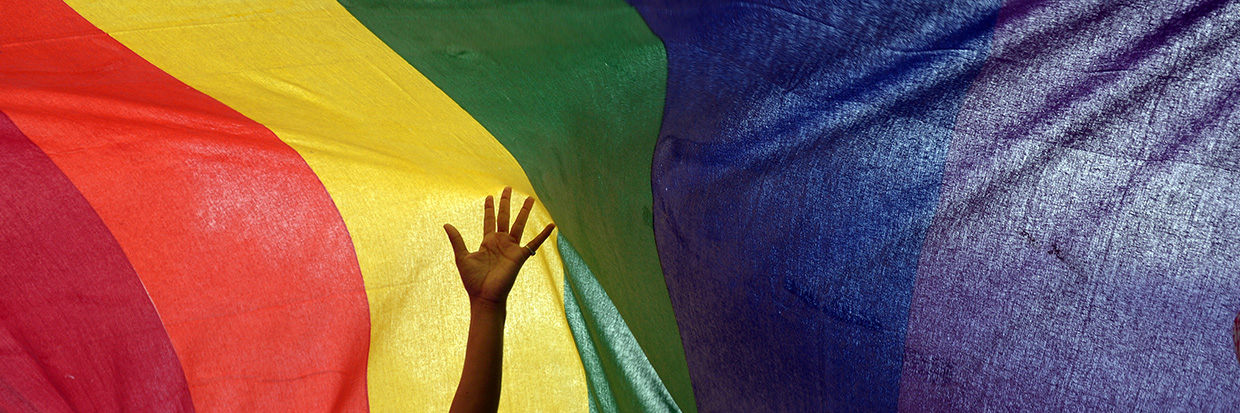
(399, 157)
(238, 244)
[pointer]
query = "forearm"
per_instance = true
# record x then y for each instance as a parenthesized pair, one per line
(488, 275)
(479, 388)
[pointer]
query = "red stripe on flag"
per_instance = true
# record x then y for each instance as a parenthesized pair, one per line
(77, 331)
(239, 245)
(1235, 336)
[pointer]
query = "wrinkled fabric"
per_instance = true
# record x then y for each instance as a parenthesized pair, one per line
(1085, 254)
(795, 175)
(621, 376)
(913, 205)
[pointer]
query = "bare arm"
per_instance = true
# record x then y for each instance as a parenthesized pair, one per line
(488, 275)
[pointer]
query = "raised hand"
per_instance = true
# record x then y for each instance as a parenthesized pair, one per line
(489, 272)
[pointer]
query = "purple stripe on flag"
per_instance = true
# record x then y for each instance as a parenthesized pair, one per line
(1086, 250)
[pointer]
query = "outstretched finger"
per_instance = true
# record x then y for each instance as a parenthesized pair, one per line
(504, 209)
(518, 225)
(458, 244)
(542, 236)
(488, 216)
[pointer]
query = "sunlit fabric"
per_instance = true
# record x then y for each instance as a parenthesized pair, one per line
(399, 159)
(239, 247)
(79, 330)
(621, 377)
(574, 90)
(775, 205)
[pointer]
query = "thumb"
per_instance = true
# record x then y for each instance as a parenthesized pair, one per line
(458, 244)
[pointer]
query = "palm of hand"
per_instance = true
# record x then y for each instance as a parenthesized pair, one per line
(490, 272)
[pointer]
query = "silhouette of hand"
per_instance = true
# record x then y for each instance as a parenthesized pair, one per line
(489, 272)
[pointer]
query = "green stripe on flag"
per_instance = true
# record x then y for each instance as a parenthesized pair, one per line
(619, 376)
(574, 90)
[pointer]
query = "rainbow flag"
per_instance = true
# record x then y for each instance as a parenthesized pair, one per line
(762, 206)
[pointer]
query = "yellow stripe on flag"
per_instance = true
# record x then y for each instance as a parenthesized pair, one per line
(399, 159)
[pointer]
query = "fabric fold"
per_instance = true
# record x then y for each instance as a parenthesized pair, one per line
(620, 376)
(399, 159)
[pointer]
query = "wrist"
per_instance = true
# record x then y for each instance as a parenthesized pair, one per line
(483, 306)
